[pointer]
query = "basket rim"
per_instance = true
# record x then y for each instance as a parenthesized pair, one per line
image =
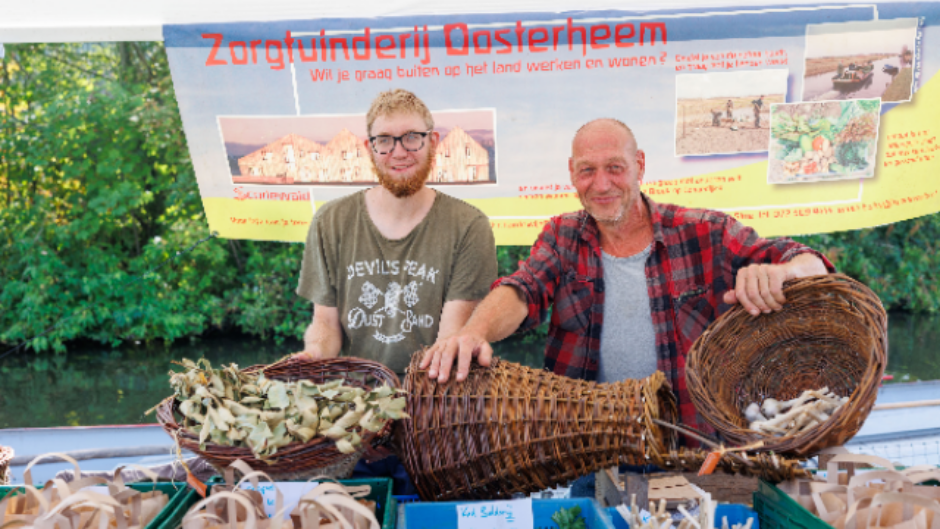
(167, 411)
(814, 439)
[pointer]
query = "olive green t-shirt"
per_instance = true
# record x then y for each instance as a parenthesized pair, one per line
(390, 292)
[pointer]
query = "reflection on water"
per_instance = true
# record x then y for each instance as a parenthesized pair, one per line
(100, 385)
(820, 88)
(116, 386)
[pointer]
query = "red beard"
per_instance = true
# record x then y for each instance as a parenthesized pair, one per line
(410, 186)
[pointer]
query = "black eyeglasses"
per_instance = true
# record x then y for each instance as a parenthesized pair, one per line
(410, 141)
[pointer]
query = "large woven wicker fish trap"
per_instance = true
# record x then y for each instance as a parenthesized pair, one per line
(510, 428)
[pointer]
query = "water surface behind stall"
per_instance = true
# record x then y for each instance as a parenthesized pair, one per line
(95, 385)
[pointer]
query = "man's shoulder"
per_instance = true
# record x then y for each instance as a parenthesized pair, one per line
(457, 209)
(675, 216)
(341, 208)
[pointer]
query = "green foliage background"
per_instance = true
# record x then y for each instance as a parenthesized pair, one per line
(97, 189)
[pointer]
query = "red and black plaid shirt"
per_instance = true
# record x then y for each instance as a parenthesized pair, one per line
(695, 258)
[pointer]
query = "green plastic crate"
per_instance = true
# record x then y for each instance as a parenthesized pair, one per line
(174, 490)
(173, 513)
(777, 510)
(386, 509)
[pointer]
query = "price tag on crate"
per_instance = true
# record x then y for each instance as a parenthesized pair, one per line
(513, 514)
(292, 491)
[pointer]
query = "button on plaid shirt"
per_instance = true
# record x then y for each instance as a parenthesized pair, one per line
(695, 258)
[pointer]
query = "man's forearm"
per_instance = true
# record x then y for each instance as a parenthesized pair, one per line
(324, 334)
(807, 264)
(498, 315)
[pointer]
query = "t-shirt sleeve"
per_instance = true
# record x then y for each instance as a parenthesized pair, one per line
(475, 264)
(317, 282)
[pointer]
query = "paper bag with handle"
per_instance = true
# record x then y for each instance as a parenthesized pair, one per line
(333, 506)
(140, 508)
(26, 506)
(203, 514)
(68, 513)
(863, 487)
(234, 486)
(895, 510)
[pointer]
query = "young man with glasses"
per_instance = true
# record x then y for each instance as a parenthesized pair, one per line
(395, 267)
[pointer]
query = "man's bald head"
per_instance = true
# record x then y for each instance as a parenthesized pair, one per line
(590, 131)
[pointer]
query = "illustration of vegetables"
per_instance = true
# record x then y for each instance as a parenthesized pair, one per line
(825, 138)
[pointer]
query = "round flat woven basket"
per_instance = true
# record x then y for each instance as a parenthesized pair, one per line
(317, 457)
(832, 332)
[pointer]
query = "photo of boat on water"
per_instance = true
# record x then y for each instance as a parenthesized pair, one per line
(860, 60)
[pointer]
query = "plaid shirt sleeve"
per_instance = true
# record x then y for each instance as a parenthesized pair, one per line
(746, 248)
(538, 276)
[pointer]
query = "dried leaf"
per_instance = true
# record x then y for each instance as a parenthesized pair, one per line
(345, 447)
(277, 395)
(204, 433)
(259, 436)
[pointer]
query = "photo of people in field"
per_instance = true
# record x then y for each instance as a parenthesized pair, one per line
(727, 112)
(833, 140)
(858, 60)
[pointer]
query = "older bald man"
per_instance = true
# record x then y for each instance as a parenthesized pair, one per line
(656, 274)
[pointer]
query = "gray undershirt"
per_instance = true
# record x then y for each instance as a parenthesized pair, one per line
(628, 341)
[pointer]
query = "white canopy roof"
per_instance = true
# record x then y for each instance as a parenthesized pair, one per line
(137, 20)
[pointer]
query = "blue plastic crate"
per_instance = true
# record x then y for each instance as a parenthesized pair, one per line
(735, 513)
(443, 515)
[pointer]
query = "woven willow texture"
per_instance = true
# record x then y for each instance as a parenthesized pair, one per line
(510, 428)
(317, 457)
(832, 332)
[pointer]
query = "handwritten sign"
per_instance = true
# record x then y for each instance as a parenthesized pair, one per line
(291, 490)
(515, 514)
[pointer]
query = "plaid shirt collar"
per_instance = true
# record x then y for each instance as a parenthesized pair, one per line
(591, 234)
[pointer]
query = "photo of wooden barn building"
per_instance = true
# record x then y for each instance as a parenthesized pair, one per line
(460, 158)
(293, 159)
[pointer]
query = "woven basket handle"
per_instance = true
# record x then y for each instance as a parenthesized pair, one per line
(832, 468)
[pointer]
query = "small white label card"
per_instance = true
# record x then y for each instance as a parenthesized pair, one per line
(513, 514)
(292, 491)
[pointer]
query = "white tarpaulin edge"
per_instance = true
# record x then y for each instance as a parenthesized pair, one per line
(142, 20)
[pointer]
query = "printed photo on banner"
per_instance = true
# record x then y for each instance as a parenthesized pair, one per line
(331, 150)
(858, 60)
(726, 113)
(831, 140)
